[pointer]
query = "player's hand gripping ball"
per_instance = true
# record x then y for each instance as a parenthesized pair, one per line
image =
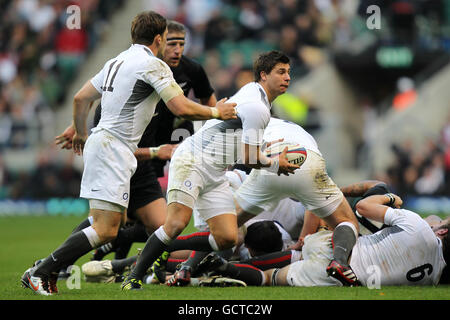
(296, 154)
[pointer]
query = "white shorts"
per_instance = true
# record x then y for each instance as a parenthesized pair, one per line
(208, 187)
(108, 167)
(311, 185)
(311, 271)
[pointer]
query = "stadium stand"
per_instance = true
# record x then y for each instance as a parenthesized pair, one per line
(39, 57)
(340, 67)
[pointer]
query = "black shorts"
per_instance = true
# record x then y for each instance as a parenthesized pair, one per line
(144, 188)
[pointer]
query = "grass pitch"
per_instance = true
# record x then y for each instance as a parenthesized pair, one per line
(25, 239)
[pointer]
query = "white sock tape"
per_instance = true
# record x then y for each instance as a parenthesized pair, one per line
(162, 235)
(92, 236)
(213, 242)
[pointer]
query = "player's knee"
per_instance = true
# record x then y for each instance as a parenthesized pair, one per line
(107, 235)
(226, 241)
(174, 227)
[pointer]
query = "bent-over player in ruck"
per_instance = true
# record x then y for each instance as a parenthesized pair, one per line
(408, 251)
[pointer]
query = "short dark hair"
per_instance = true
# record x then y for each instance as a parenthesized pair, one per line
(174, 26)
(263, 237)
(445, 277)
(446, 244)
(267, 61)
(146, 26)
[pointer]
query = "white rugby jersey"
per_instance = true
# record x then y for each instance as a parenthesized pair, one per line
(291, 132)
(406, 253)
(219, 142)
(130, 85)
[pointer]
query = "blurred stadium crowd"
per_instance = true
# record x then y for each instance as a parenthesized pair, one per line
(39, 56)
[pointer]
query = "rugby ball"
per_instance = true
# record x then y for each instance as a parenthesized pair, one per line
(296, 154)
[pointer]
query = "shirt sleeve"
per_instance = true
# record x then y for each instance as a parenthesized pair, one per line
(97, 81)
(158, 74)
(407, 220)
(255, 117)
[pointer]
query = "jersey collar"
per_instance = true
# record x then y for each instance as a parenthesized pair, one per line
(136, 45)
(264, 96)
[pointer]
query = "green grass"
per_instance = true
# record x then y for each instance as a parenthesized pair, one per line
(25, 239)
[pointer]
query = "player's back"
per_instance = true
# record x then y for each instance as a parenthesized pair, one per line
(290, 132)
(406, 253)
(128, 99)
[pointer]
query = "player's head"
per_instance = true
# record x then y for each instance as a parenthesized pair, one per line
(176, 33)
(442, 231)
(263, 237)
(271, 70)
(150, 29)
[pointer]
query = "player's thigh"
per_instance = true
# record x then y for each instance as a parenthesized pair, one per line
(310, 273)
(314, 188)
(343, 213)
(144, 189)
(277, 277)
(185, 174)
(216, 207)
(259, 192)
(153, 214)
(108, 167)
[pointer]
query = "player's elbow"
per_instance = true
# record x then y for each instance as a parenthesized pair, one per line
(80, 98)
(362, 207)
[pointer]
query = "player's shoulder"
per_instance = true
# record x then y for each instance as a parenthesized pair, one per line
(142, 57)
(250, 94)
(406, 219)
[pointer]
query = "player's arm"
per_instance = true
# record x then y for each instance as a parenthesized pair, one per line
(81, 106)
(160, 77)
(375, 207)
(65, 138)
(163, 152)
(358, 189)
(254, 158)
(311, 223)
(209, 101)
(191, 110)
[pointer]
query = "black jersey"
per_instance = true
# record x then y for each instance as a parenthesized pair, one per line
(189, 75)
(369, 225)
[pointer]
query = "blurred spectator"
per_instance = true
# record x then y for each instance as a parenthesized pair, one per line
(432, 179)
(70, 46)
(406, 95)
(445, 136)
(419, 171)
